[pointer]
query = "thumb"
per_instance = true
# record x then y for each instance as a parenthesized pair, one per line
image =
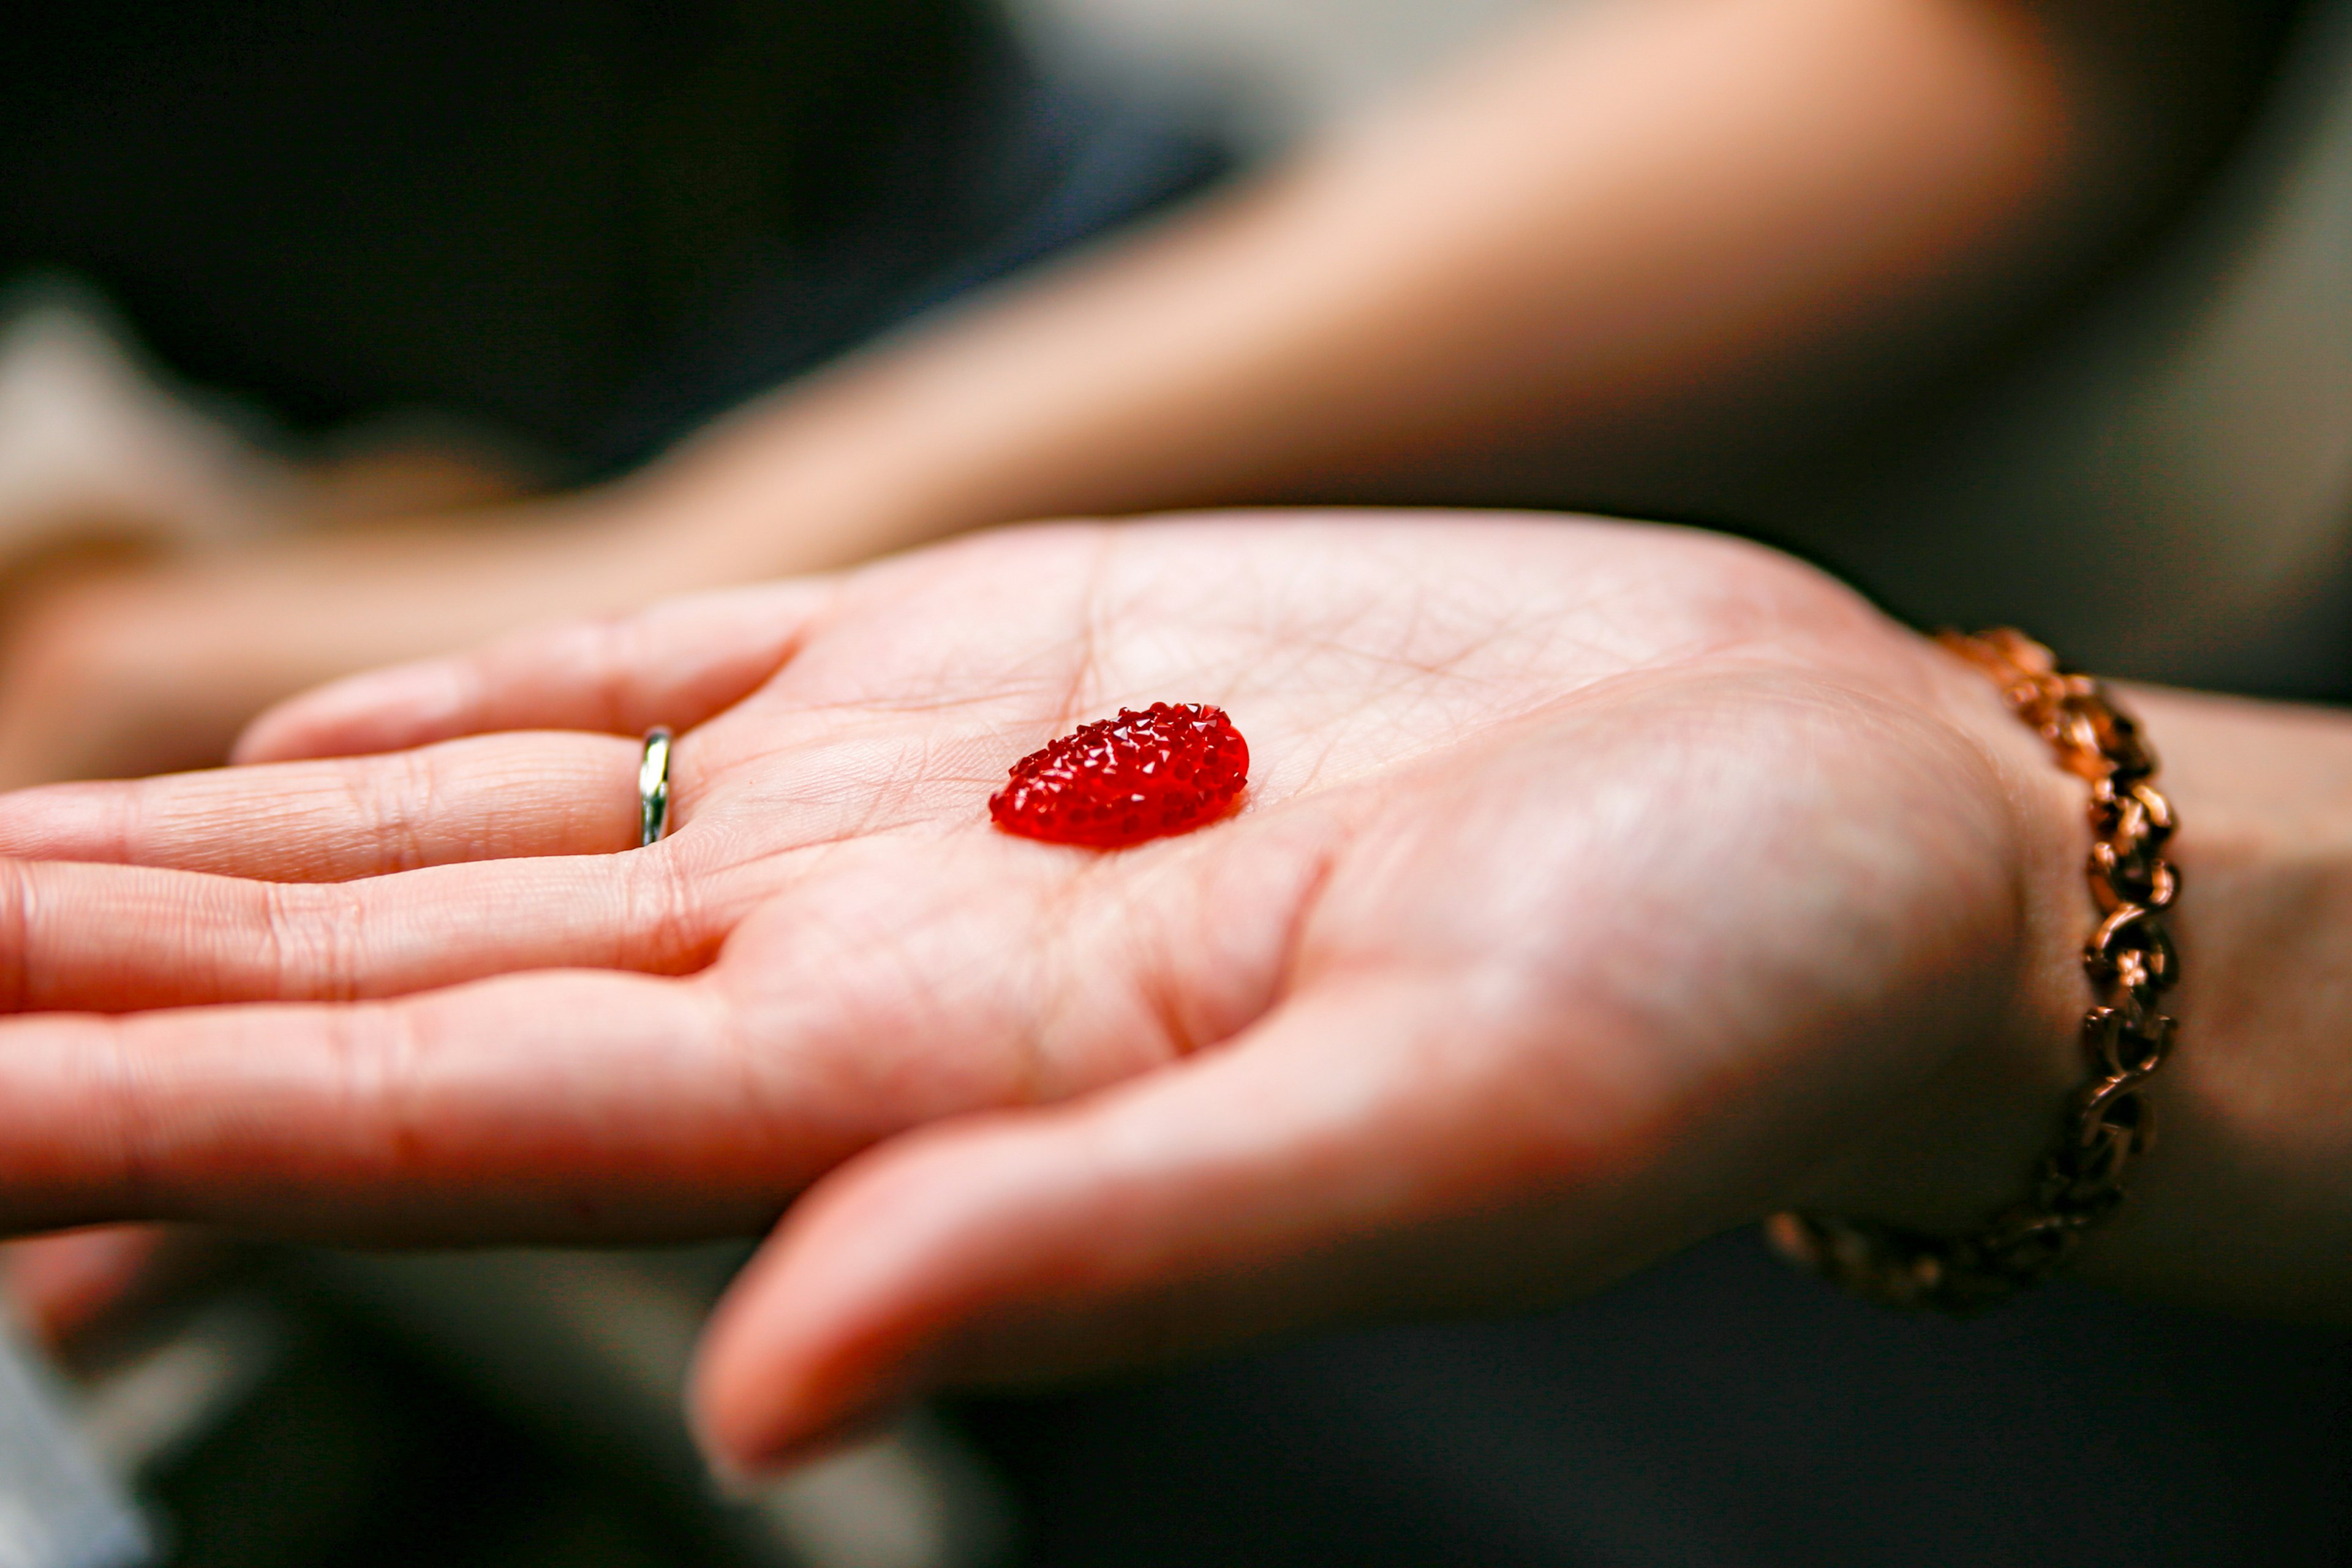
(1351, 1155)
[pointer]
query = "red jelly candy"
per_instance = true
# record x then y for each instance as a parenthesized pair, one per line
(1165, 769)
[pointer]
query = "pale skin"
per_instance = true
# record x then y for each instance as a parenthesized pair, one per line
(1623, 261)
(1598, 888)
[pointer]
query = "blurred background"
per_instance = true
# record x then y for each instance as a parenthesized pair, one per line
(1265, 74)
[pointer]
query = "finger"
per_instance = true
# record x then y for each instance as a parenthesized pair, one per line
(1300, 1173)
(120, 938)
(490, 797)
(566, 1105)
(676, 664)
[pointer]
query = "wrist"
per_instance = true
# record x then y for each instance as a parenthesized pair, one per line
(2244, 1200)
(1963, 1142)
(2245, 1203)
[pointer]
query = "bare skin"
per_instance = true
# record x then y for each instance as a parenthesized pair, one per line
(1599, 887)
(1621, 261)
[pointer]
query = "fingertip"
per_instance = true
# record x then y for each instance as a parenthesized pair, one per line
(745, 1444)
(741, 1486)
(756, 1408)
(769, 1382)
(735, 1428)
(840, 1319)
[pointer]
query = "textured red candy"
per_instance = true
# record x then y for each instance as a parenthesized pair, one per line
(1164, 768)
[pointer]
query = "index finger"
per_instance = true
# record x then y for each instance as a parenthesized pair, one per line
(676, 664)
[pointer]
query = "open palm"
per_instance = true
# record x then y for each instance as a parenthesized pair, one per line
(1597, 887)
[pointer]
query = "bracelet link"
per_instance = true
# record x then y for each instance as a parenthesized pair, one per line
(2079, 1182)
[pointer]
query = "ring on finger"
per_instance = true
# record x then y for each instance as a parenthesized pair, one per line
(653, 787)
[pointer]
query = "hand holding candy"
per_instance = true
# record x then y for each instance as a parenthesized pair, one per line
(1595, 887)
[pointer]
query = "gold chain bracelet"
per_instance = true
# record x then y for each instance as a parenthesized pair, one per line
(2079, 1182)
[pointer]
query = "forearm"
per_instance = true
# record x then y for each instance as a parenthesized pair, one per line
(2246, 1200)
(1646, 240)
(119, 672)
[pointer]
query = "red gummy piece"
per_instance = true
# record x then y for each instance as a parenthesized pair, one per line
(1168, 768)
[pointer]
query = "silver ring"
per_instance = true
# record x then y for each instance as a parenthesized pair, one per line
(653, 788)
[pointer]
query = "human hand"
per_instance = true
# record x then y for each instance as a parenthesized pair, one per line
(1598, 888)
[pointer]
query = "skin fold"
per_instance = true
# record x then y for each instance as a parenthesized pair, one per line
(1599, 886)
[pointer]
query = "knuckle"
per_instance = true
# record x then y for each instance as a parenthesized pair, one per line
(312, 939)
